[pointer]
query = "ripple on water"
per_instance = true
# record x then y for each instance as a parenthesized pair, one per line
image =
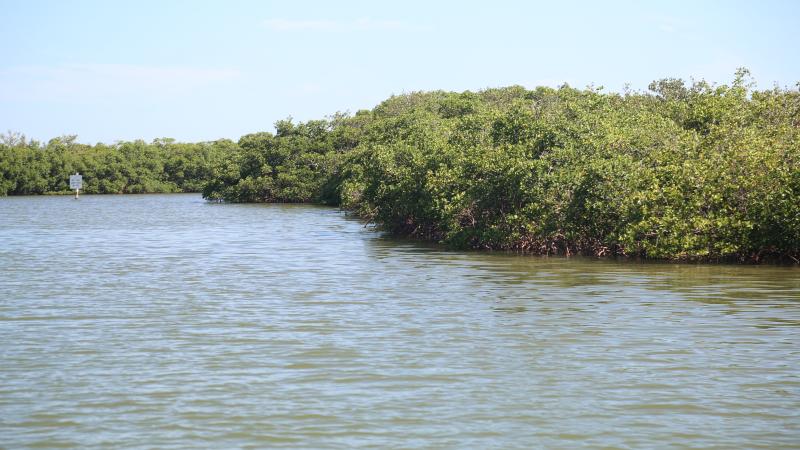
(163, 321)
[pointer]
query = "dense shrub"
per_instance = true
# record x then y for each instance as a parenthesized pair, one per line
(681, 171)
(123, 168)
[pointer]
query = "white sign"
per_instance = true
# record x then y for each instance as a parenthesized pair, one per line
(76, 181)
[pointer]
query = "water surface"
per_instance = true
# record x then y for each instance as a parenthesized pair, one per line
(163, 321)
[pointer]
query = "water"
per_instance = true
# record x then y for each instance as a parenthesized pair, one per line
(166, 322)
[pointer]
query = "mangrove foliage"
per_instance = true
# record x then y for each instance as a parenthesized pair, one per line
(31, 167)
(682, 171)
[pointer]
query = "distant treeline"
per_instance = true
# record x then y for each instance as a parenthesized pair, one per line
(681, 171)
(30, 167)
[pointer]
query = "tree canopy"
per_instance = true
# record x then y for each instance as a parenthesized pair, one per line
(681, 171)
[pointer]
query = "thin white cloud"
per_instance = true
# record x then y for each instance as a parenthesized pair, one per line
(666, 28)
(310, 89)
(93, 81)
(325, 25)
(672, 25)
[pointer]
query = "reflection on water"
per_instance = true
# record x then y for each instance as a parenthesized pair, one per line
(165, 321)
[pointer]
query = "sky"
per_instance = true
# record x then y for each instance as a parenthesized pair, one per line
(205, 70)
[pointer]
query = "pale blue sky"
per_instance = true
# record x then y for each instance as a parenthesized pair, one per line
(202, 70)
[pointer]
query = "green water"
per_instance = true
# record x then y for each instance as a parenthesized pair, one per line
(164, 321)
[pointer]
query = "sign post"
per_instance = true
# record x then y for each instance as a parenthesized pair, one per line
(76, 182)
